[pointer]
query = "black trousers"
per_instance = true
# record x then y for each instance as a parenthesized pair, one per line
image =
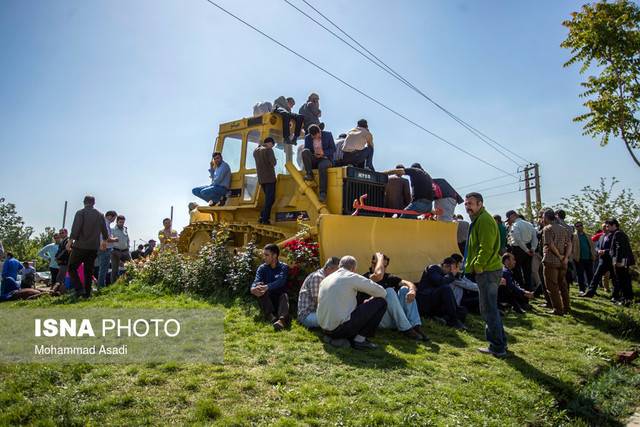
(269, 190)
(471, 301)
(604, 265)
(439, 302)
(88, 258)
(622, 283)
(311, 162)
(522, 272)
(286, 117)
(584, 267)
(274, 305)
(54, 274)
(364, 320)
(514, 299)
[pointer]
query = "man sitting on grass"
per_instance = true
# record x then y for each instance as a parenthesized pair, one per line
(464, 289)
(435, 296)
(308, 296)
(402, 310)
(510, 291)
(340, 316)
(270, 287)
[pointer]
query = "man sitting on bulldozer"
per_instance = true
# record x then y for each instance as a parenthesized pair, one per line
(220, 173)
(318, 152)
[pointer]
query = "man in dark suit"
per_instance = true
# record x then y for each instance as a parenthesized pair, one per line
(319, 149)
(397, 193)
(622, 258)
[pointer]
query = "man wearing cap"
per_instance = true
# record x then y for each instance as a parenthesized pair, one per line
(522, 242)
(266, 170)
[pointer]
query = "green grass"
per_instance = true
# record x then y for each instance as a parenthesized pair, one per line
(560, 372)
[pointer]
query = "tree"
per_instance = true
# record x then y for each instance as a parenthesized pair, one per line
(13, 232)
(595, 205)
(16, 237)
(607, 35)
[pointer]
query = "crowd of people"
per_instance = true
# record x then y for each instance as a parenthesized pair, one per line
(504, 267)
(94, 253)
(319, 152)
(504, 264)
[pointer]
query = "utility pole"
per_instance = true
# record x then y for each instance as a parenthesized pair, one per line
(171, 217)
(64, 215)
(527, 189)
(532, 182)
(536, 175)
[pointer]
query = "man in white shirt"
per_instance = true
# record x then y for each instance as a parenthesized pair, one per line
(357, 149)
(522, 242)
(120, 251)
(340, 316)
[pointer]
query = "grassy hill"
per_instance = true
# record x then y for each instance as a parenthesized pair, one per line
(560, 372)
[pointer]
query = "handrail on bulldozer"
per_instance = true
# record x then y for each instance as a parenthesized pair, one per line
(306, 188)
(360, 205)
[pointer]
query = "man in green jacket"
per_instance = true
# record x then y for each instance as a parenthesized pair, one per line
(483, 260)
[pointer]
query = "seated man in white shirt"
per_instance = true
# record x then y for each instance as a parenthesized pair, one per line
(308, 295)
(340, 316)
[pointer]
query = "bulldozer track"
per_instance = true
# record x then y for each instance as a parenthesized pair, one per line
(255, 231)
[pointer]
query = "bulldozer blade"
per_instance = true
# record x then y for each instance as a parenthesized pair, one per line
(410, 244)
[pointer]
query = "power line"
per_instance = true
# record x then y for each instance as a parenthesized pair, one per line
(486, 180)
(358, 90)
(502, 194)
(497, 186)
(382, 65)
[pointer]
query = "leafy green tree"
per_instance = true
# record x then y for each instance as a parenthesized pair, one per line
(14, 234)
(607, 37)
(592, 206)
(17, 237)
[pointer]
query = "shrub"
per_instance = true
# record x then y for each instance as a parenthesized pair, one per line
(214, 271)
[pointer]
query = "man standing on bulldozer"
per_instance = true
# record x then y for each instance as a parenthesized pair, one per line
(265, 168)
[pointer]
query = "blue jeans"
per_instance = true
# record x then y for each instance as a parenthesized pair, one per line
(488, 283)
(104, 258)
(210, 193)
(311, 321)
(420, 205)
(448, 206)
(400, 314)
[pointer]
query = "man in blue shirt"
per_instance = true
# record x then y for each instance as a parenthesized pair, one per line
(318, 152)
(10, 270)
(220, 181)
(49, 254)
(270, 287)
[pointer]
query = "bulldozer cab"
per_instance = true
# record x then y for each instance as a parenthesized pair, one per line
(237, 140)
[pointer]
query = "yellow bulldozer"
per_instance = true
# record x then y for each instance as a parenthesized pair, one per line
(342, 225)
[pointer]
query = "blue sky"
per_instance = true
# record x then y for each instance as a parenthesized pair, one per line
(123, 99)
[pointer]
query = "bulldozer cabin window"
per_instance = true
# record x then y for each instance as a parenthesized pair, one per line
(231, 150)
